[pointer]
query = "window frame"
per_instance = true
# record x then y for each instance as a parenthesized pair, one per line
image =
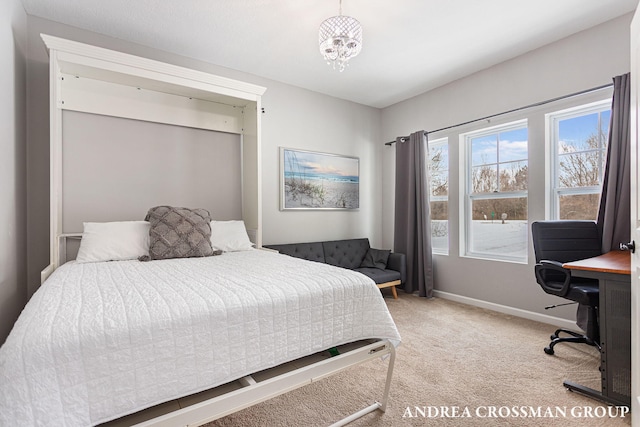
(552, 121)
(444, 141)
(467, 198)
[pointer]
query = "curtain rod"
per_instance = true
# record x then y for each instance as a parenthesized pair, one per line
(537, 104)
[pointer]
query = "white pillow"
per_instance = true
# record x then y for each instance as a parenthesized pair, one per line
(113, 241)
(229, 236)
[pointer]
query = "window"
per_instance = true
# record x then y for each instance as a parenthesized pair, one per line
(495, 197)
(439, 197)
(578, 139)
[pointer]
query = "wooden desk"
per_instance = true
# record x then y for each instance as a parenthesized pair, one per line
(616, 262)
(613, 271)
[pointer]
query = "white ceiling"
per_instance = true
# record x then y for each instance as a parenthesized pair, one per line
(409, 46)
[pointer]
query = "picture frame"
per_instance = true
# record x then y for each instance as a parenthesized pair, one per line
(312, 180)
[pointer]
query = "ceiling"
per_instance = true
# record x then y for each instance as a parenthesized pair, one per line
(409, 46)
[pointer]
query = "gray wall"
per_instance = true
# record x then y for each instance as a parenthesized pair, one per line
(13, 46)
(293, 118)
(582, 61)
(109, 174)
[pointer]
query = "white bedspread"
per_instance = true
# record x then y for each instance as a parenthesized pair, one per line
(102, 340)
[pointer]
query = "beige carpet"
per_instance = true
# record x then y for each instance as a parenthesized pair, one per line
(452, 355)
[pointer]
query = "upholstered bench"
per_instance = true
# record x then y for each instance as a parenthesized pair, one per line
(354, 254)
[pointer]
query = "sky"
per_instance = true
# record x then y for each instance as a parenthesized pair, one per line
(512, 147)
(576, 130)
(512, 144)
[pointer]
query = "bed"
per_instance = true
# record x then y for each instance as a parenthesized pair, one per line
(105, 337)
(102, 340)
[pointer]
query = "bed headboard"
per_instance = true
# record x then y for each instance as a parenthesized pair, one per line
(189, 129)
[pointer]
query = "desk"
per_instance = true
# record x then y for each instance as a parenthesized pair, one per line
(613, 271)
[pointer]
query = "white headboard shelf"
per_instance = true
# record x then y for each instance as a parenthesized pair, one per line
(95, 80)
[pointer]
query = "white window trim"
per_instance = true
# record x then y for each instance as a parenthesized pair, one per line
(552, 193)
(434, 144)
(466, 198)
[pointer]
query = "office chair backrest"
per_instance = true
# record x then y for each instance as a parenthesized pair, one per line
(565, 241)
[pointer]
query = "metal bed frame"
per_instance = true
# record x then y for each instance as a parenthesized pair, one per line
(254, 391)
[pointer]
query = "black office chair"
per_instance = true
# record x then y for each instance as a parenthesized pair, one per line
(558, 242)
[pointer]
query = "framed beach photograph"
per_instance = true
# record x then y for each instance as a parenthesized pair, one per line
(311, 180)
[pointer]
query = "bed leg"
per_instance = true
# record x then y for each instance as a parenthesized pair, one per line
(378, 405)
(387, 385)
(355, 416)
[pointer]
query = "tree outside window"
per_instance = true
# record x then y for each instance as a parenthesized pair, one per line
(579, 141)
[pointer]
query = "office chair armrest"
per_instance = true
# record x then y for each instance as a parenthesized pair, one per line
(556, 287)
(547, 262)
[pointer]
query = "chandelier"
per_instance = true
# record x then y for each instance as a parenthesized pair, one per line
(340, 38)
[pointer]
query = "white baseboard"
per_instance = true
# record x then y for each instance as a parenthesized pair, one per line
(543, 318)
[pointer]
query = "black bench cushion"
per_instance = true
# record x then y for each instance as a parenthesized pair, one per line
(379, 276)
(346, 253)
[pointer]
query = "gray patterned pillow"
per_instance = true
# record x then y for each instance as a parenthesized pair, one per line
(376, 258)
(178, 233)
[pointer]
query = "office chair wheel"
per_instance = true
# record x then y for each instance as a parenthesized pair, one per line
(549, 350)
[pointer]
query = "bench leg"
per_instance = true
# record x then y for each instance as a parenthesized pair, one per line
(391, 285)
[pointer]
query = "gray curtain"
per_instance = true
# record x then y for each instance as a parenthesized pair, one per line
(614, 215)
(412, 230)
